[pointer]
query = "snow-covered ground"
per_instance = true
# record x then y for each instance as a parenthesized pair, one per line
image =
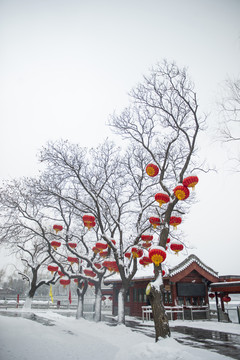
(69, 339)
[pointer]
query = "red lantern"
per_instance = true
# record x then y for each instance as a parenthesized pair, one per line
(181, 192)
(157, 255)
(211, 295)
(163, 272)
(90, 283)
(95, 250)
(137, 252)
(106, 264)
(190, 181)
(60, 273)
(97, 265)
(114, 266)
(101, 246)
(55, 244)
(226, 298)
(72, 245)
(145, 261)
(57, 228)
(65, 281)
(146, 237)
(152, 170)
(90, 225)
(89, 273)
(72, 260)
(110, 298)
(89, 221)
(174, 221)
(52, 268)
(103, 254)
(103, 298)
(155, 221)
(146, 245)
(127, 255)
(176, 246)
(111, 265)
(162, 198)
(142, 262)
(168, 240)
(76, 281)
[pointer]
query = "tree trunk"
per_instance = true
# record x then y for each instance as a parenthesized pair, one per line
(28, 303)
(81, 291)
(98, 303)
(79, 313)
(121, 308)
(31, 293)
(159, 315)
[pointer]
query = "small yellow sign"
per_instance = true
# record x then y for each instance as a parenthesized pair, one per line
(148, 288)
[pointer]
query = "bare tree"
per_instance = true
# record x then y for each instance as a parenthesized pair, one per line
(2, 274)
(21, 219)
(230, 124)
(162, 119)
(111, 186)
(35, 258)
(28, 214)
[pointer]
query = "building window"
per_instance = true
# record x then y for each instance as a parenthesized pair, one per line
(134, 295)
(188, 301)
(127, 296)
(202, 301)
(169, 297)
(191, 300)
(194, 301)
(181, 300)
(165, 298)
(140, 295)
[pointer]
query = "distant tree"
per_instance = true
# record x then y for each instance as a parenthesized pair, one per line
(162, 119)
(230, 109)
(35, 258)
(21, 215)
(29, 212)
(17, 284)
(2, 274)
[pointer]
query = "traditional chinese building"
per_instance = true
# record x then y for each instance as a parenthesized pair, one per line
(227, 285)
(186, 284)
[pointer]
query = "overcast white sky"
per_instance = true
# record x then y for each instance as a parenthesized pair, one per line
(66, 65)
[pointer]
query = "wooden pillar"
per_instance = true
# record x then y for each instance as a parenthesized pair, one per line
(131, 305)
(174, 294)
(174, 299)
(206, 294)
(222, 302)
(216, 298)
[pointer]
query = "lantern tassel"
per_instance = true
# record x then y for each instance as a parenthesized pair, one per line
(50, 293)
(70, 297)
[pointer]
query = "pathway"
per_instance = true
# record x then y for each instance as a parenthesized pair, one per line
(216, 341)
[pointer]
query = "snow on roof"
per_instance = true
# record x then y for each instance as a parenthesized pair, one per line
(141, 274)
(226, 283)
(187, 262)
